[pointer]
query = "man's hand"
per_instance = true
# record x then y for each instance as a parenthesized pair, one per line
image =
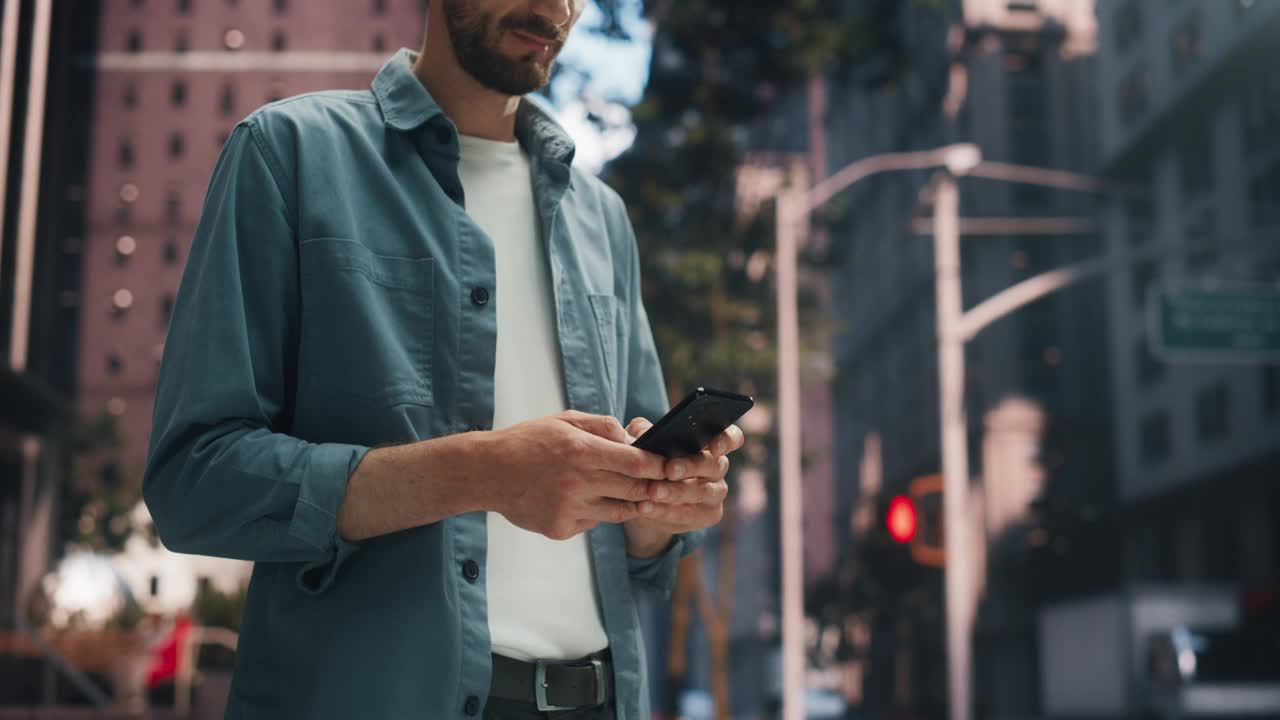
(691, 497)
(564, 474)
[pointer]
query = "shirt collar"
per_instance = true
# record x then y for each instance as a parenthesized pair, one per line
(406, 105)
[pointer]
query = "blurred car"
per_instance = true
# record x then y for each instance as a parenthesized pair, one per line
(1214, 673)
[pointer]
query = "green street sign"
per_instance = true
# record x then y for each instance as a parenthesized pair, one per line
(1228, 325)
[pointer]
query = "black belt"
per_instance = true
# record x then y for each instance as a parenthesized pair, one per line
(554, 685)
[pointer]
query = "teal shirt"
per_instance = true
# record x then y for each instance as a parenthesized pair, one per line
(337, 297)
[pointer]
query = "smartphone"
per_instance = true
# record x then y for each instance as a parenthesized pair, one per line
(694, 422)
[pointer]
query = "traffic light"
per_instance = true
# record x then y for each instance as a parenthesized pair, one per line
(901, 519)
(916, 519)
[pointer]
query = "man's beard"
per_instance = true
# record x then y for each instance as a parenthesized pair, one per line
(476, 42)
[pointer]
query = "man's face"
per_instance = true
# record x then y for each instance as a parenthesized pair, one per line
(510, 45)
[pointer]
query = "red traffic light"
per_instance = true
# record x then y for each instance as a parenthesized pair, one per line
(901, 519)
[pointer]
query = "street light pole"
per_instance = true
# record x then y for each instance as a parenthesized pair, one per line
(955, 328)
(790, 212)
(955, 448)
(794, 204)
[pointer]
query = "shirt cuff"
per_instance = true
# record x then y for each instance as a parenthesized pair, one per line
(658, 573)
(315, 515)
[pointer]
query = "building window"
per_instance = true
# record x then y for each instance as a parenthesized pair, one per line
(176, 145)
(133, 41)
(1186, 44)
(379, 42)
(281, 6)
(1213, 412)
(1128, 24)
(178, 93)
(184, 7)
(1261, 113)
(278, 41)
(114, 364)
(125, 247)
(121, 301)
(1221, 545)
(166, 310)
(1134, 94)
(227, 99)
(1264, 197)
(1271, 390)
(155, 586)
(233, 39)
(1141, 218)
(130, 97)
(135, 4)
(1147, 367)
(1200, 234)
(1153, 437)
(182, 43)
(1141, 278)
(171, 251)
(117, 406)
(379, 7)
(125, 154)
(1195, 162)
(173, 208)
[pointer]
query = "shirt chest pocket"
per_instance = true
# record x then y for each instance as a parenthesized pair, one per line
(367, 325)
(603, 308)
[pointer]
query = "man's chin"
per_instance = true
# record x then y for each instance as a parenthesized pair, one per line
(530, 76)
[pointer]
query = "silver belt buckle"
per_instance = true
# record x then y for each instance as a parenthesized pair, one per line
(540, 686)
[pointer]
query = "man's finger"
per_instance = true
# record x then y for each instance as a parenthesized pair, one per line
(704, 464)
(604, 426)
(609, 484)
(686, 515)
(623, 459)
(612, 511)
(726, 442)
(697, 491)
(637, 427)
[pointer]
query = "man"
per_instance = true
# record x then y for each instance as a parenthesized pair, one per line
(418, 270)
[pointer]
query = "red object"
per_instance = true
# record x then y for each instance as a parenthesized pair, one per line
(165, 658)
(901, 519)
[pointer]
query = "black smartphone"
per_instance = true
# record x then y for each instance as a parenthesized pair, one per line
(694, 422)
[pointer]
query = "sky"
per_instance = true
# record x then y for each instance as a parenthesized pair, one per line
(618, 72)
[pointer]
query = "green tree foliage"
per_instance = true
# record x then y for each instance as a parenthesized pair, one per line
(719, 68)
(101, 489)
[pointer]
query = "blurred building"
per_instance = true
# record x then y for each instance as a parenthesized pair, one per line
(173, 78)
(44, 130)
(1015, 78)
(1190, 117)
(1097, 465)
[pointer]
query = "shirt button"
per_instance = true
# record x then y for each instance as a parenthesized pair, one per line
(480, 296)
(472, 706)
(471, 570)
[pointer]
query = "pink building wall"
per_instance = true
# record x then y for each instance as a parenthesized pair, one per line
(318, 34)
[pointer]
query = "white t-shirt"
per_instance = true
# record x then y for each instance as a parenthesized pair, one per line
(542, 602)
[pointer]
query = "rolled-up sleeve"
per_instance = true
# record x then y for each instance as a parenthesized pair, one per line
(658, 573)
(647, 397)
(223, 476)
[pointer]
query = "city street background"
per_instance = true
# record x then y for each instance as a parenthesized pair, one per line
(1003, 278)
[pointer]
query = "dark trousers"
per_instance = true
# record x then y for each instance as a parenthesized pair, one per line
(503, 709)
